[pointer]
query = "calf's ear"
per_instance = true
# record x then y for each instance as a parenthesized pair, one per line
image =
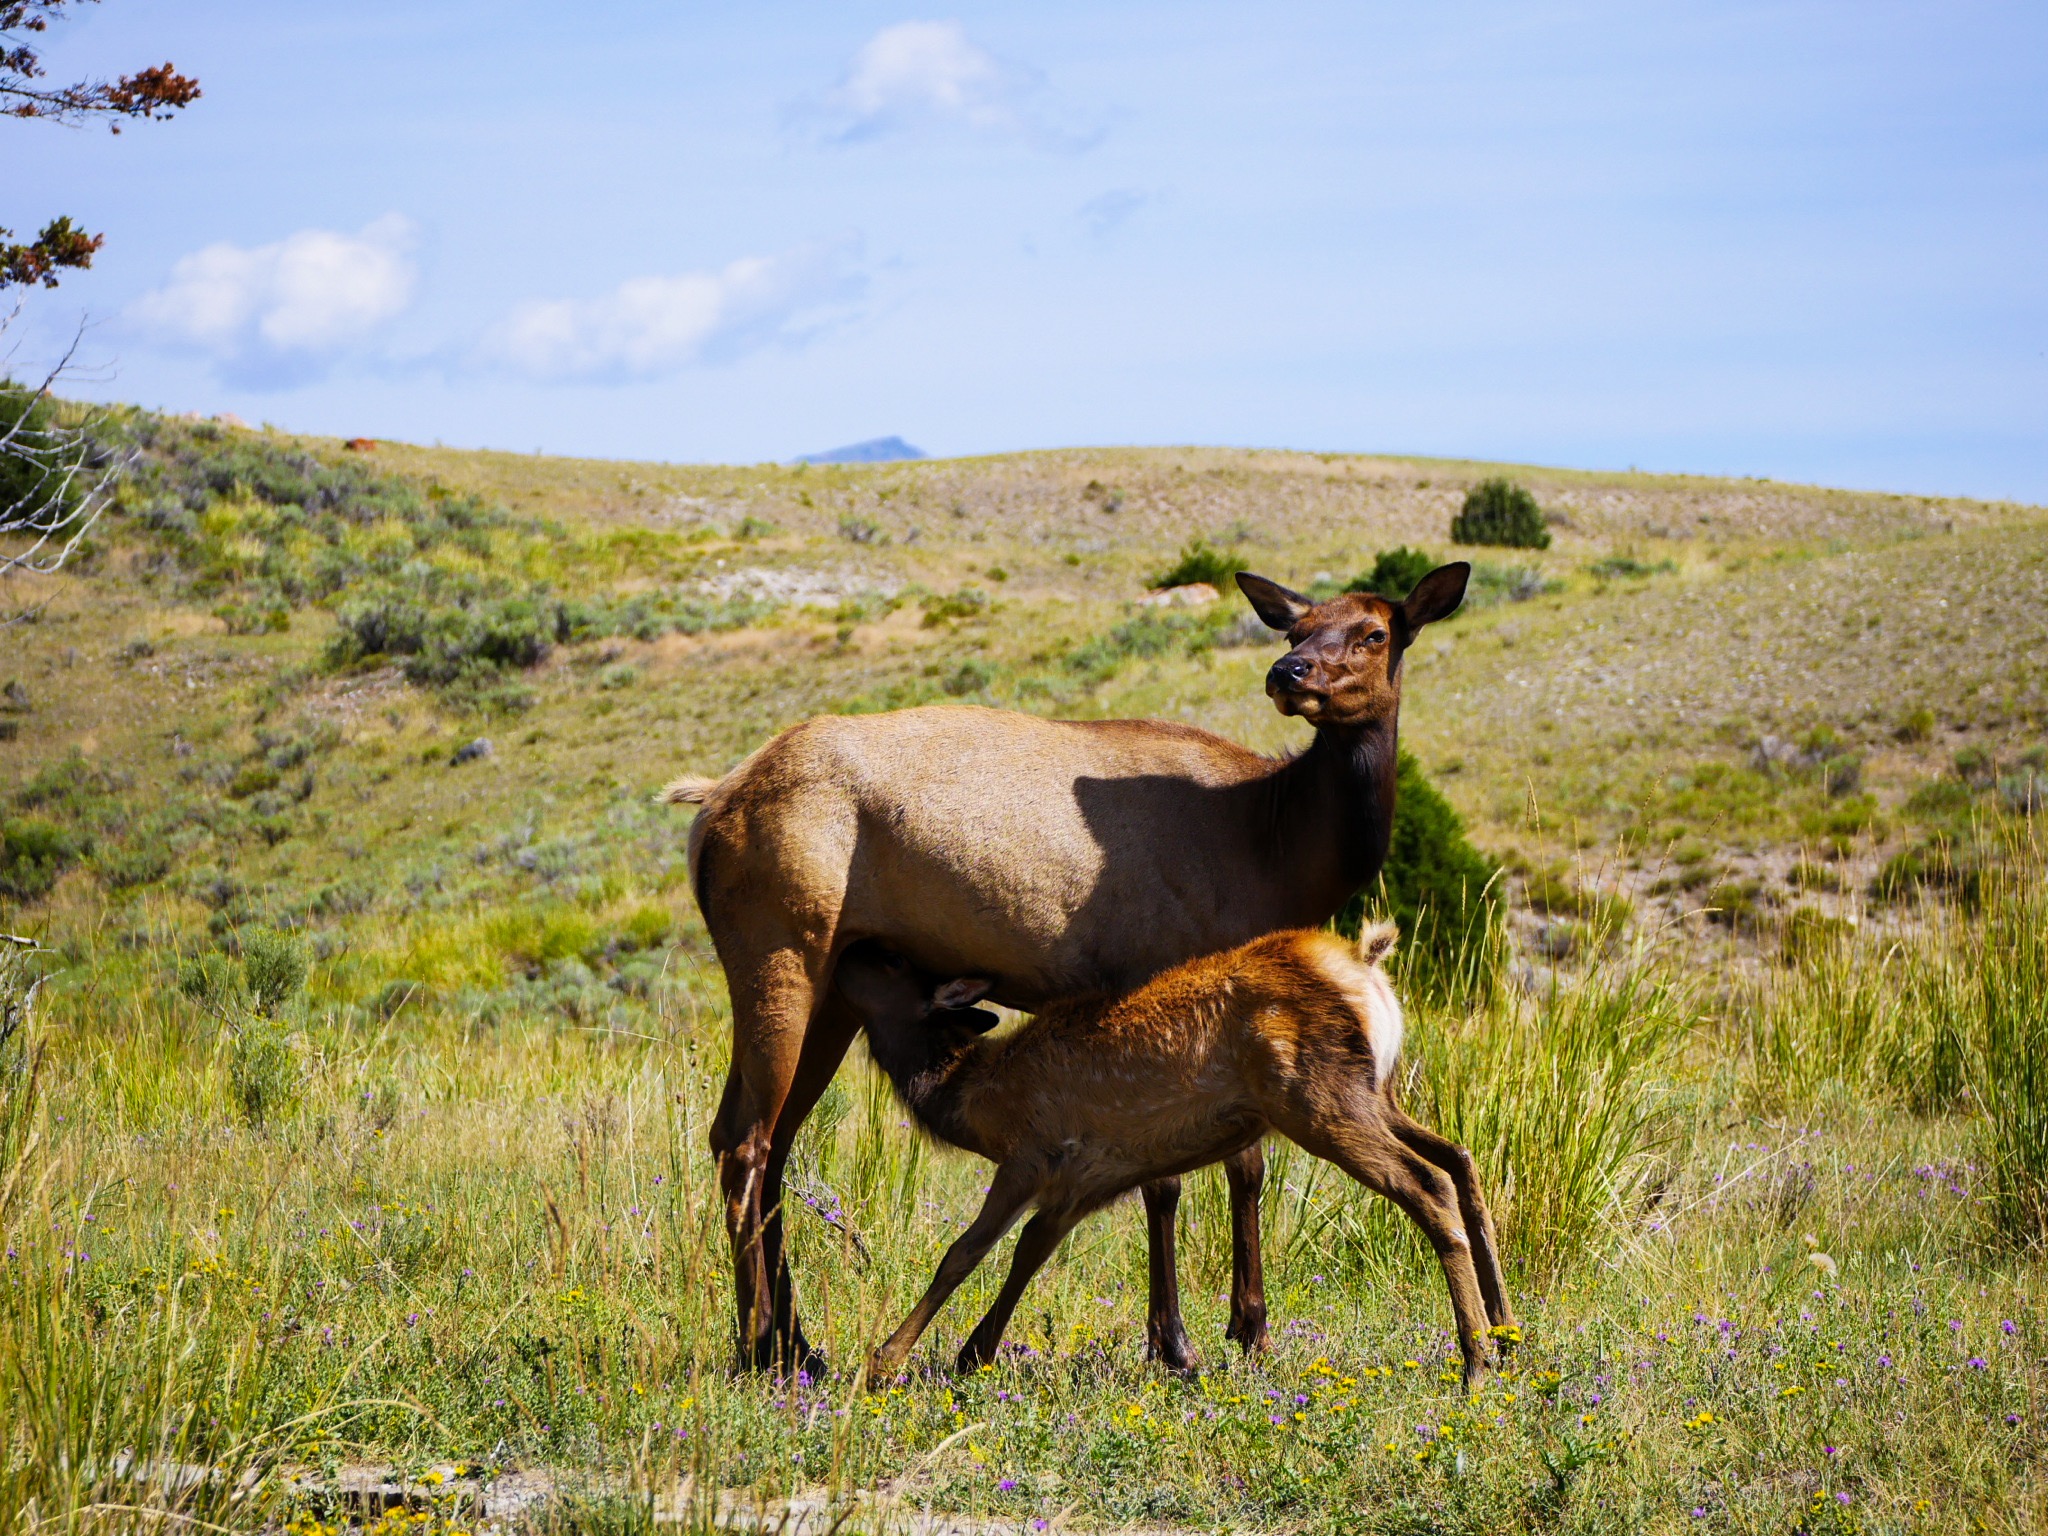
(1276, 607)
(1436, 596)
(961, 992)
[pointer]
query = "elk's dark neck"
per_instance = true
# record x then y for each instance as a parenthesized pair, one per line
(921, 1060)
(1335, 809)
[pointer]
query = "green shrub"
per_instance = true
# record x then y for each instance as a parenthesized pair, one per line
(1501, 513)
(1491, 584)
(28, 478)
(1938, 866)
(1916, 725)
(33, 853)
(1199, 561)
(973, 675)
(253, 779)
(1394, 573)
(140, 863)
(213, 981)
(274, 965)
(446, 639)
(649, 927)
(966, 603)
(263, 1067)
(1440, 891)
(1614, 567)
(1149, 632)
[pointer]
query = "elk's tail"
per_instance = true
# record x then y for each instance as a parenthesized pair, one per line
(690, 789)
(1376, 941)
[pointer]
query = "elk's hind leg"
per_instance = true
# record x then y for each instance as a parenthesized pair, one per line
(825, 1044)
(1373, 1155)
(772, 1000)
(1166, 1336)
(1457, 1162)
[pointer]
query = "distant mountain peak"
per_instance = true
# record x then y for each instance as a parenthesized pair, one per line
(876, 450)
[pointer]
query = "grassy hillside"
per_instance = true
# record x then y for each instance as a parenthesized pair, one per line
(1759, 761)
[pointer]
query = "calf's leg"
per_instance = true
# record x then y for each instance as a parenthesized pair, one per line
(1457, 1162)
(1246, 1173)
(1035, 1244)
(1166, 1337)
(1008, 1193)
(1378, 1159)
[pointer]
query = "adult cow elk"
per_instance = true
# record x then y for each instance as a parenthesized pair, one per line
(1055, 859)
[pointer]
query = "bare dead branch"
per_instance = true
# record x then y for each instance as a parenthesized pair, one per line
(55, 479)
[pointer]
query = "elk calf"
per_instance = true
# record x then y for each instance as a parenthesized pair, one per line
(1296, 1032)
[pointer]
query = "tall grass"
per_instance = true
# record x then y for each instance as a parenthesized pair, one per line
(2009, 987)
(1948, 1018)
(1564, 1101)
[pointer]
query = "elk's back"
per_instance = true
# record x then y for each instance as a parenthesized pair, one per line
(1054, 857)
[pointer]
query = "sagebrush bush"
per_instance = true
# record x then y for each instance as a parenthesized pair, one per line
(263, 1067)
(1502, 513)
(26, 479)
(33, 853)
(274, 965)
(1200, 561)
(1150, 632)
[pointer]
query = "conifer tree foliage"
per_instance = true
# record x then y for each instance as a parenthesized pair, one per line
(1439, 890)
(1500, 512)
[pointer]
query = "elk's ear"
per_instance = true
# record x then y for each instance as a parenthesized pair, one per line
(1436, 596)
(1276, 607)
(1376, 941)
(961, 992)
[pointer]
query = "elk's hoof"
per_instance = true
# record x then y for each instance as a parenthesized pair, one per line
(1168, 1344)
(1249, 1334)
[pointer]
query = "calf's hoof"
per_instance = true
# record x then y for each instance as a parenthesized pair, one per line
(879, 1369)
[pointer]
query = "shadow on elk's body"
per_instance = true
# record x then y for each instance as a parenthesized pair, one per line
(1297, 1032)
(1056, 858)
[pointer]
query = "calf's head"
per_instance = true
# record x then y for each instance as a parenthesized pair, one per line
(894, 997)
(1343, 667)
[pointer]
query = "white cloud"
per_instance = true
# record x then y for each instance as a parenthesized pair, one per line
(653, 325)
(1106, 214)
(930, 72)
(280, 313)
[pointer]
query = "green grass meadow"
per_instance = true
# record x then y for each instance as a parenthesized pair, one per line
(356, 1087)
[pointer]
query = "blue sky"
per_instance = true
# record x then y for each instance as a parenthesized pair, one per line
(1798, 240)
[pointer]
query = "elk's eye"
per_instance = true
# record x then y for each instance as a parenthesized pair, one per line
(1377, 637)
